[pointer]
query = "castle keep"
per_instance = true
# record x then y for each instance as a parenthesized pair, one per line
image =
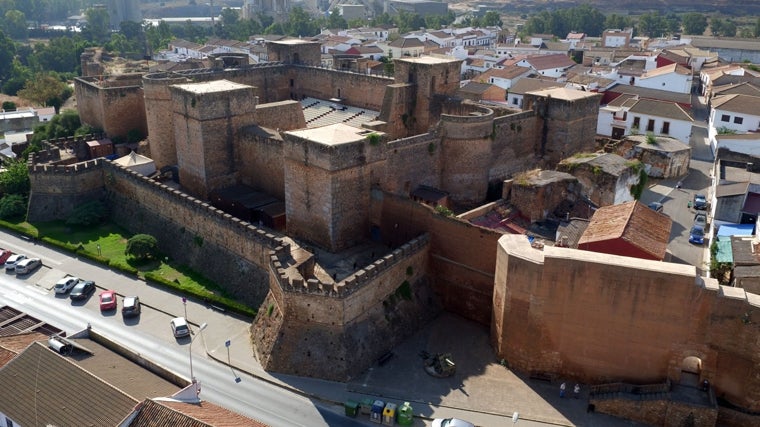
(345, 185)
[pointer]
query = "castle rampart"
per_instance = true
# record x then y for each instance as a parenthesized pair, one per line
(549, 305)
(112, 104)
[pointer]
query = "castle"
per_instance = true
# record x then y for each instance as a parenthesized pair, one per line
(343, 185)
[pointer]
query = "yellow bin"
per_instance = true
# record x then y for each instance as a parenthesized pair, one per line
(389, 414)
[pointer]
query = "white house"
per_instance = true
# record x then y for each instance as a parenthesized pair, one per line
(735, 113)
(672, 78)
(629, 114)
(616, 38)
(505, 77)
(746, 143)
(524, 85)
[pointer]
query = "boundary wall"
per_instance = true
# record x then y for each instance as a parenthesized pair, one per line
(599, 318)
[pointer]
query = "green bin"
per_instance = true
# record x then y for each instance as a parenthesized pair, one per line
(352, 408)
(405, 415)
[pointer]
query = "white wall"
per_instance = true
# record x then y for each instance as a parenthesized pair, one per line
(671, 82)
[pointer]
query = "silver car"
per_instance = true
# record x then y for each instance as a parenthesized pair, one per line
(28, 265)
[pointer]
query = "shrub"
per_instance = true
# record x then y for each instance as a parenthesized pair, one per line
(12, 206)
(443, 210)
(142, 246)
(90, 213)
(373, 139)
(651, 139)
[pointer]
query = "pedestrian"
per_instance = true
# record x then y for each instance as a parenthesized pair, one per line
(679, 184)
(576, 391)
(562, 390)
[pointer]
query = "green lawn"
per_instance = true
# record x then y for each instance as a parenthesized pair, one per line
(112, 241)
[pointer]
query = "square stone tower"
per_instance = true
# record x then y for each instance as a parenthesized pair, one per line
(328, 174)
(207, 120)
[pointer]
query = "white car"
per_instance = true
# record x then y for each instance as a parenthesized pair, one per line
(66, 284)
(451, 422)
(28, 265)
(179, 327)
(10, 263)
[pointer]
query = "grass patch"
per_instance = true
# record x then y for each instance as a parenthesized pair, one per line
(106, 243)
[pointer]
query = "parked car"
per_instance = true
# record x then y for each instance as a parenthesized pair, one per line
(4, 255)
(82, 290)
(451, 422)
(179, 327)
(26, 266)
(700, 219)
(655, 206)
(107, 300)
(700, 202)
(64, 285)
(10, 263)
(697, 235)
(131, 307)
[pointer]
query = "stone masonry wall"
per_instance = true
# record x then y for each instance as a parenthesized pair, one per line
(260, 161)
(515, 145)
(57, 190)
(230, 252)
(336, 331)
(411, 162)
(116, 110)
(361, 90)
(159, 115)
(283, 115)
(662, 412)
(461, 273)
(654, 314)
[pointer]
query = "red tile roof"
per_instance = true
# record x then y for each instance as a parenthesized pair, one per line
(166, 413)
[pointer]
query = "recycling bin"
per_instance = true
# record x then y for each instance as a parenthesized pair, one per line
(376, 413)
(366, 406)
(405, 415)
(352, 408)
(389, 414)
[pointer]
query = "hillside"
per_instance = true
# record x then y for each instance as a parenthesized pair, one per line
(728, 7)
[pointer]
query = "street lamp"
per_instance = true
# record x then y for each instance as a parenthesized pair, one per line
(192, 377)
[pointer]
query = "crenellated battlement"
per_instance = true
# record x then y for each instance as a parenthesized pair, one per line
(291, 280)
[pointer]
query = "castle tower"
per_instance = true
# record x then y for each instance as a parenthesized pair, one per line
(208, 118)
(327, 183)
(415, 99)
(295, 51)
(159, 113)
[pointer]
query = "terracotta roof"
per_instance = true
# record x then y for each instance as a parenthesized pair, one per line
(475, 88)
(529, 85)
(744, 88)
(406, 43)
(737, 103)
(632, 222)
(667, 69)
(6, 356)
(18, 343)
(169, 413)
(643, 92)
(504, 73)
(47, 389)
(653, 107)
(545, 62)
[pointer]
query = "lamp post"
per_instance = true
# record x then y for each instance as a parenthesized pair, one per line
(192, 377)
(184, 303)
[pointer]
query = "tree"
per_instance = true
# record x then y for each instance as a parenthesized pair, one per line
(7, 52)
(618, 21)
(652, 24)
(158, 36)
(694, 23)
(15, 178)
(142, 246)
(12, 206)
(98, 25)
(491, 19)
(90, 213)
(9, 106)
(336, 20)
(14, 23)
(46, 89)
(722, 28)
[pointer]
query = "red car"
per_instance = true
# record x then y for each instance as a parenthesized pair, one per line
(4, 255)
(107, 300)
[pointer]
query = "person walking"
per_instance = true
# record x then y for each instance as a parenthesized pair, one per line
(576, 391)
(562, 390)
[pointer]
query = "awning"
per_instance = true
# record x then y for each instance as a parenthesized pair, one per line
(736, 230)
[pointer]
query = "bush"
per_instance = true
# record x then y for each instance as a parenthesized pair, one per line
(90, 213)
(142, 246)
(12, 206)
(211, 298)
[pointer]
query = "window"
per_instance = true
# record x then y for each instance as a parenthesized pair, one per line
(8, 422)
(666, 128)
(636, 122)
(738, 120)
(725, 118)
(650, 125)
(514, 100)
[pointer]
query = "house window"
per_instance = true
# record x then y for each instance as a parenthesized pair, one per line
(650, 125)
(725, 118)
(666, 128)
(514, 101)
(738, 120)
(637, 122)
(8, 422)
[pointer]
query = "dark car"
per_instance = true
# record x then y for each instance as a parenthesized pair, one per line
(131, 307)
(700, 202)
(655, 206)
(697, 235)
(82, 290)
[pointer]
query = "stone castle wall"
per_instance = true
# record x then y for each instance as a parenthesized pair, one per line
(515, 145)
(57, 190)
(283, 115)
(654, 412)
(360, 90)
(115, 106)
(260, 161)
(654, 314)
(229, 251)
(462, 255)
(338, 330)
(159, 114)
